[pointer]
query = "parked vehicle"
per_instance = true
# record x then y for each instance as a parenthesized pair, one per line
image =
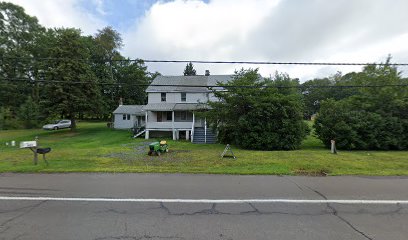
(59, 124)
(158, 148)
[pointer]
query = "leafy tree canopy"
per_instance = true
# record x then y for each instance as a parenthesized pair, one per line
(92, 80)
(259, 117)
(79, 92)
(374, 118)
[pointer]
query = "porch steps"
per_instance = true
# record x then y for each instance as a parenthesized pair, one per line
(139, 133)
(199, 136)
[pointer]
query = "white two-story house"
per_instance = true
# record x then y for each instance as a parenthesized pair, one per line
(173, 102)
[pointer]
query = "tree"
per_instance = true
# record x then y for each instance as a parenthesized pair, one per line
(78, 91)
(374, 118)
(133, 79)
(314, 91)
(29, 113)
(126, 79)
(189, 70)
(335, 87)
(19, 34)
(258, 117)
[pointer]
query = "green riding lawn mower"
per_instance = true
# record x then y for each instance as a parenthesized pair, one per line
(157, 148)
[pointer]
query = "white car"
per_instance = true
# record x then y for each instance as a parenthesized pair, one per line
(59, 124)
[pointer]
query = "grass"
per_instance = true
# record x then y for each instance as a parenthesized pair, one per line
(95, 148)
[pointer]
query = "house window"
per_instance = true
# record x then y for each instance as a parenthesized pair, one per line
(163, 97)
(183, 96)
(159, 117)
(126, 117)
(169, 116)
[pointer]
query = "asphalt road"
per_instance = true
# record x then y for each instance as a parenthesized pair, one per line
(164, 217)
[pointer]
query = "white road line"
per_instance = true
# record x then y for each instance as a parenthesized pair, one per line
(157, 200)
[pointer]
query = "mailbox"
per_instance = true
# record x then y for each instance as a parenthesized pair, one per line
(28, 144)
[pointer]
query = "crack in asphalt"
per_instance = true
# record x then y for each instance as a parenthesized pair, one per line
(29, 209)
(112, 210)
(254, 211)
(207, 211)
(336, 214)
(294, 182)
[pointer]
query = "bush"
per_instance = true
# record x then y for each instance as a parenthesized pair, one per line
(7, 120)
(258, 117)
(375, 118)
(359, 129)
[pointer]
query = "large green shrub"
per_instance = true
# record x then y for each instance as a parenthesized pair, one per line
(376, 118)
(359, 129)
(256, 117)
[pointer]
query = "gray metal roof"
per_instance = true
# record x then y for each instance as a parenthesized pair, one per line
(189, 106)
(174, 106)
(130, 109)
(159, 106)
(181, 83)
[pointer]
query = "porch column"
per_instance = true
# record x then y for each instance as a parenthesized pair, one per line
(187, 135)
(205, 130)
(192, 128)
(172, 126)
(147, 134)
(147, 131)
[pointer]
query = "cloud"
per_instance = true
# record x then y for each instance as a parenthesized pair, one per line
(194, 30)
(63, 13)
(242, 30)
(261, 30)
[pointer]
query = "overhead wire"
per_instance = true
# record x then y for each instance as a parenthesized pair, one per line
(214, 61)
(26, 80)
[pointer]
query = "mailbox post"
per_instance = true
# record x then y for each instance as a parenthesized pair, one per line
(32, 145)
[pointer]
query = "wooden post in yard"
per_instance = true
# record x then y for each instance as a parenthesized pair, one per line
(35, 151)
(333, 147)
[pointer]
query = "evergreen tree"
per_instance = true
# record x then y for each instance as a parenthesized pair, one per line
(189, 70)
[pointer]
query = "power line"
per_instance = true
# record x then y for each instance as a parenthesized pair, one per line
(196, 86)
(276, 63)
(214, 62)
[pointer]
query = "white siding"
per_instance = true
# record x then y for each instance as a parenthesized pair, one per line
(196, 97)
(176, 97)
(154, 98)
(119, 123)
(151, 116)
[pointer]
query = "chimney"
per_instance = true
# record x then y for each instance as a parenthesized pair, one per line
(120, 101)
(207, 72)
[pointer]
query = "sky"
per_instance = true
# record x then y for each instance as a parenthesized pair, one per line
(242, 30)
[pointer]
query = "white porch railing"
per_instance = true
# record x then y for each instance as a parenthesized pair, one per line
(168, 125)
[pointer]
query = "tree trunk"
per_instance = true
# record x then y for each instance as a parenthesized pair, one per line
(73, 124)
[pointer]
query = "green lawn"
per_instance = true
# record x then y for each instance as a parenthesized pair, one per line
(95, 148)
